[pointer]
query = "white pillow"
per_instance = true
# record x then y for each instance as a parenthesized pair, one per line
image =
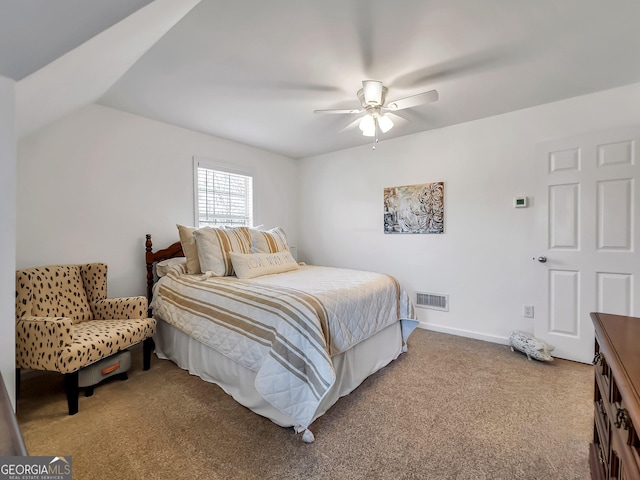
(189, 248)
(215, 245)
(163, 267)
(268, 241)
(256, 264)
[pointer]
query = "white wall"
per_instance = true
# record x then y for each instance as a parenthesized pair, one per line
(484, 259)
(7, 234)
(91, 185)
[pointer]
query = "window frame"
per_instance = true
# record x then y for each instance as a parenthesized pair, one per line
(200, 162)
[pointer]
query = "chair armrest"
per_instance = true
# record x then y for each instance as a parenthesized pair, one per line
(39, 341)
(120, 308)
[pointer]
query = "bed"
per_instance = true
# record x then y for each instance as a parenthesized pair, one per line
(284, 339)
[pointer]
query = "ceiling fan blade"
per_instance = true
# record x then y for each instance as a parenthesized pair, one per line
(474, 63)
(413, 101)
(351, 125)
(364, 23)
(398, 120)
(270, 85)
(352, 111)
(306, 87)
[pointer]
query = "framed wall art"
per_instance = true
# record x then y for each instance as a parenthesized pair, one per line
(414, 208)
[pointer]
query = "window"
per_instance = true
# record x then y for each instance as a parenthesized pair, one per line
(223, 197)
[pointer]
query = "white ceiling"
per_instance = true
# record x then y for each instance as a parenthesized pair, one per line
(33, 33)
(253, 71)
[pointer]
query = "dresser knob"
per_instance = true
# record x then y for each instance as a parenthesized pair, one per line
(622, 419)
(596, 358)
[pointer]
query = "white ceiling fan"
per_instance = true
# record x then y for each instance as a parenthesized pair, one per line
(378, 116)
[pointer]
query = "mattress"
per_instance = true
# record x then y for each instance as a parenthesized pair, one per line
(286, 345)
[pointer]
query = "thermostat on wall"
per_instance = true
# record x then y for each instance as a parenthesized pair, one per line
(520, 202)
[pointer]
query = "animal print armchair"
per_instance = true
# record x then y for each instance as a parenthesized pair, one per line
(64, 322)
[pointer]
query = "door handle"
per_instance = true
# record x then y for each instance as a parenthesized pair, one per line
(541, 259)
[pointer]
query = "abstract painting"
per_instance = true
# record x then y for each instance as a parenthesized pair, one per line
(414, 208)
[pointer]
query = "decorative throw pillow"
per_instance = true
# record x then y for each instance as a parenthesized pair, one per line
(215, 244)
(256, 264)
(163, 267)
(268, 241)
(189, 248)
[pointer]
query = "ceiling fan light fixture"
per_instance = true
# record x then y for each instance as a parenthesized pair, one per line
(385, 123)
(368, 126)
(378, 114)
(372, 91)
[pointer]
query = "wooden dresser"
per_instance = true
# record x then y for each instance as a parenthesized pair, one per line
(615, 451)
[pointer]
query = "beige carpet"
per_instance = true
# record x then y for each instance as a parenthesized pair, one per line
(450, 408)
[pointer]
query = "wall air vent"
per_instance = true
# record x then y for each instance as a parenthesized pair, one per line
(435, 301)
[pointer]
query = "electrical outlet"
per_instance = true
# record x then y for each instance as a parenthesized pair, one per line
(527, 311)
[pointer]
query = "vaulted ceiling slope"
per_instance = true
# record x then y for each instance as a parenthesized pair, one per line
(33, 33)
(82, 75)
(253, 71)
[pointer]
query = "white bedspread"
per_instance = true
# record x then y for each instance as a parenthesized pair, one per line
(285, 326)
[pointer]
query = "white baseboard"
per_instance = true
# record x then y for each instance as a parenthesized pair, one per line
(464, 333)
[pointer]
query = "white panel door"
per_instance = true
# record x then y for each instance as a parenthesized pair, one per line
(586, 212)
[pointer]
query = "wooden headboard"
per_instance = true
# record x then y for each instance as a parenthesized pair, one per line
(172, 251)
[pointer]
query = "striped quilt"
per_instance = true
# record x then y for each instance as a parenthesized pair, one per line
(285, 327)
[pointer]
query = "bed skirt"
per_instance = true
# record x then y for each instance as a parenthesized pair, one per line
(352, 367)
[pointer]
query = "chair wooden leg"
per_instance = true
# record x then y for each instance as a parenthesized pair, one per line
(147, 348)
(71, 386)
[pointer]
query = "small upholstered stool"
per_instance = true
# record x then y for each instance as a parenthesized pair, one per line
(91, 375)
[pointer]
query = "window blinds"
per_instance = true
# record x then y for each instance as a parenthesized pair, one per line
(224, 199)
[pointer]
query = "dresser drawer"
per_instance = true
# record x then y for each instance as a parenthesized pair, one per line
(597, 466)
(625, 430)
(602, 432)
(602, 372)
